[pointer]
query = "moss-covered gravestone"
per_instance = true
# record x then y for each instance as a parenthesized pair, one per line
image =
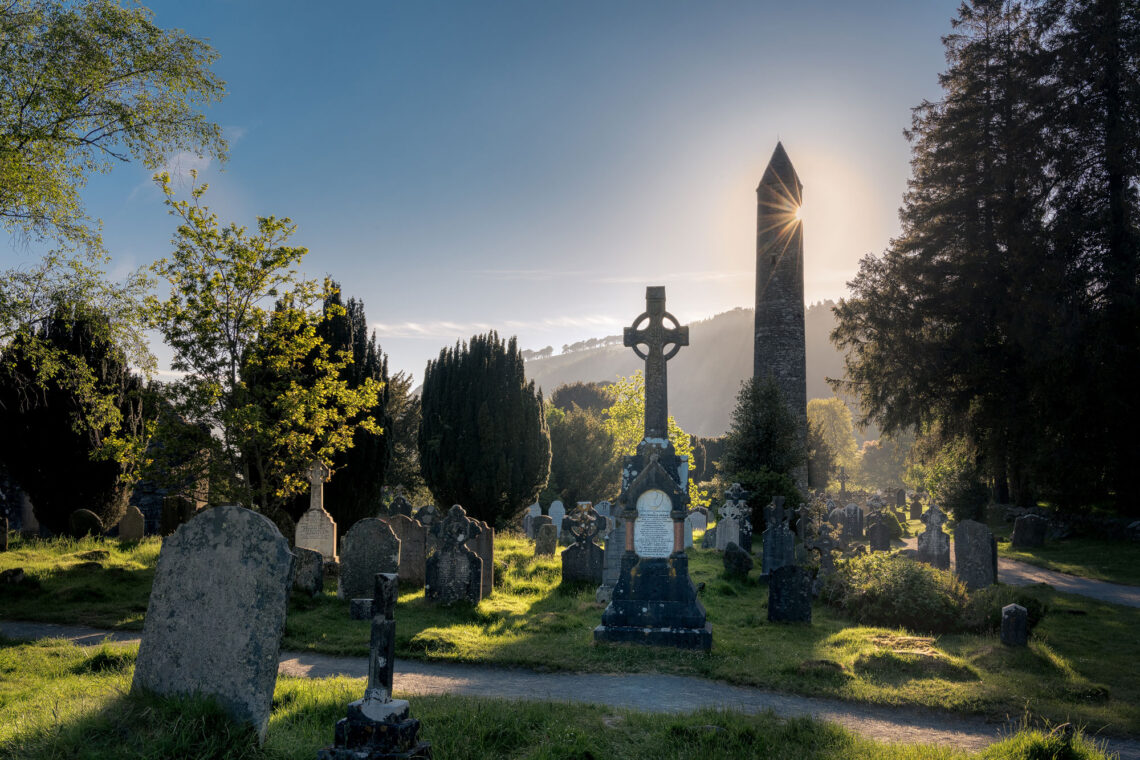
(369, 547)
(132, 526)
(216, 613)
(454, 572)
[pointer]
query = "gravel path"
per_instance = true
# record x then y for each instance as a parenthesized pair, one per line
(1023, 574)
(640, 691)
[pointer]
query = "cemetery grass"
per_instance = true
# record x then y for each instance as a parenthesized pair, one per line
(60, 700)
(1080, 664)
(1101, 560)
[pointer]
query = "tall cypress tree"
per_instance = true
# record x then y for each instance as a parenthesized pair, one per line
(483, 440)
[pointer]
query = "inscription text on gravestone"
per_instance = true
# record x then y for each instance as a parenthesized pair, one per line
(653, 530)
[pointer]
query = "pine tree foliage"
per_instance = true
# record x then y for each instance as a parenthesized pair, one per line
(483, 440)
(1004, 313)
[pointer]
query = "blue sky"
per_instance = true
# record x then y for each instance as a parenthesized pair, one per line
(531, 166)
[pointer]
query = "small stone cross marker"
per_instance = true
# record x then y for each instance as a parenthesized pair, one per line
(318, 476)
(655, 336)
(934, 518)
(585, 522)
(842, 481)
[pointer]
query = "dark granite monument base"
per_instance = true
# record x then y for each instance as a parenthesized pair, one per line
(655, 603)
(388, 733)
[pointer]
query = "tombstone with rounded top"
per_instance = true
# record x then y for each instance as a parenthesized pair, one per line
(369, 547)
(309, 571)
(413, 548)
(546, 541)
(84, 522)
(132, 526)
(557, 513)
(216, 613)
(1029, 531)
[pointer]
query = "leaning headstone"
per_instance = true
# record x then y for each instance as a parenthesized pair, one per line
(483, 544)
(737, 562)
(1014, 625)
(379, 727)
(933, 543)
(583, 561)
(789, 595)
(309, 571)
(131, 527)
(975, 555)
(400, 506)
(546, 541)
(316, 530)
(216, 613)
(84, 522)
(413, 548)
(454, 572)
(557, 513)
(879, 536)
(368, 548)
(1029, 531)
(176, 510)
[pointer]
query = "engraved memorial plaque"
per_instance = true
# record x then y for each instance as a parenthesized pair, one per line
(653, 530)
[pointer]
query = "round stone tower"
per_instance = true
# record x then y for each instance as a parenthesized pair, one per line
(780, 348)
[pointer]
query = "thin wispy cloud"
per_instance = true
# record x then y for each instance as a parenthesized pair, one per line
(607, 278)
(462, 330)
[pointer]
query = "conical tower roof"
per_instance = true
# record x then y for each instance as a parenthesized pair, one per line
(781, 173)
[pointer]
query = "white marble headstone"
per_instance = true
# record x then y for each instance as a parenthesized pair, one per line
(653, 529)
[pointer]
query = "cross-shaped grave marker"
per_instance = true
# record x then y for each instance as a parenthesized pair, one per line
(655, 336)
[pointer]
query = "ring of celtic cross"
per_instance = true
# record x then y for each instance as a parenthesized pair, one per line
(676, 345)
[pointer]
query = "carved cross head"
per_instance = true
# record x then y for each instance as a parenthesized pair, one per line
(585, 522)
(457, 527)
(318, 472)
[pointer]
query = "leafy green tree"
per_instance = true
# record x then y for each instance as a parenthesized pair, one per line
(821, 462)
(483, 440)
(87, 85)
(583, 464)
(59, 454)
(832, 419)
(262, 377)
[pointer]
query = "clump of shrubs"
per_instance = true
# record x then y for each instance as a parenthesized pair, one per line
(894, 591)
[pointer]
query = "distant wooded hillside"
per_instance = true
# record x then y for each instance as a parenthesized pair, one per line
(704, 377)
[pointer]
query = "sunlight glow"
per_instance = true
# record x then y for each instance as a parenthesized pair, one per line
(799, 215)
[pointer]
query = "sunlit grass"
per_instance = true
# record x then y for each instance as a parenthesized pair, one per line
(59, 700)
(1080, 664)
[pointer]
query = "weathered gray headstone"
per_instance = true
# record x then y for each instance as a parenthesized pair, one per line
(546, 541)
(900, 498)
(853, 521)
(915, 508)
(934, 543)
(699, 519)
(368, 548)
(132, 526)
(557, 513)
(709, 539)
(731, 517)
(533, 511)
(1029, 531)
(454, 572)
(413, 548)
(975, 555)
(615, 546)
(316, 530)
(483, 544)
(604, 508)
(428, 516)
(688, 530)
(309, 572)
(789, 595)
(217, 611)
(1014, 625)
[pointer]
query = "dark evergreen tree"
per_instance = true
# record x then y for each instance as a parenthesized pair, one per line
(1094, 48)
(583, 461)
(404, 411)
(48, 446)
(360, 472)
(483, 440)
(821, 460)
(957, 323)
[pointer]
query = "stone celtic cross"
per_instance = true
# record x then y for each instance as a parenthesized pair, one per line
(842, 478)
(649, 330)
(318, 475)
(934, 518)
